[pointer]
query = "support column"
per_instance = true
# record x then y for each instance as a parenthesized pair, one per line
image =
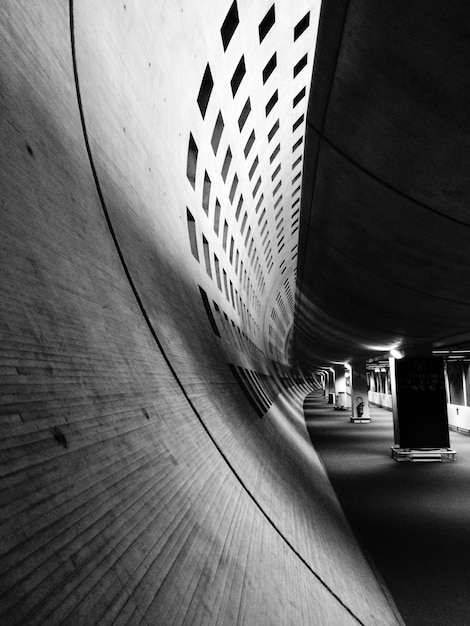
(359, 393)
(419, 410)
(331, 386)
(340, 387)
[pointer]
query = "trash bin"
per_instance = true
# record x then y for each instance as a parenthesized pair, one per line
(359, 406)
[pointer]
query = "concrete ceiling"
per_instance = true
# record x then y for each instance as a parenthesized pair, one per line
(385, 221)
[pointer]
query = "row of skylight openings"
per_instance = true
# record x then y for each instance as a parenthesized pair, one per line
(279, 220)
(251, 249)
(217, 270)
(218, 129)
(191, 170)
(282, 308)
(232, 21)
(219, 125)
(295, 147)
(215, 141)
(294, 253)
(206, 193)
(233, 333)
(297, 162)
(207, 85)
(237, 77)
(246, 110)
(191, 174)
(278, 322)
(289, 294)
(228, 29)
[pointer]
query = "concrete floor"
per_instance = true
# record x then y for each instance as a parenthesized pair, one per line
(412, 519)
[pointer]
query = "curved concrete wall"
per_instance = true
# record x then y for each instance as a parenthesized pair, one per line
(383, 260)
(138, 483)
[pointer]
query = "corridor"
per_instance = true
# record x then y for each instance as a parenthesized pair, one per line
(210, 209)
(411, 519)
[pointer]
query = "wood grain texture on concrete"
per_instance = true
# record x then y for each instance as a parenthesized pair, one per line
(137, 483)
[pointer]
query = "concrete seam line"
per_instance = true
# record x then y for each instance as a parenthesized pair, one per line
(383, 182)
(152, 330)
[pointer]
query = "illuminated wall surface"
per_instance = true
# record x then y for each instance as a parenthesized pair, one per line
(155, 463)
